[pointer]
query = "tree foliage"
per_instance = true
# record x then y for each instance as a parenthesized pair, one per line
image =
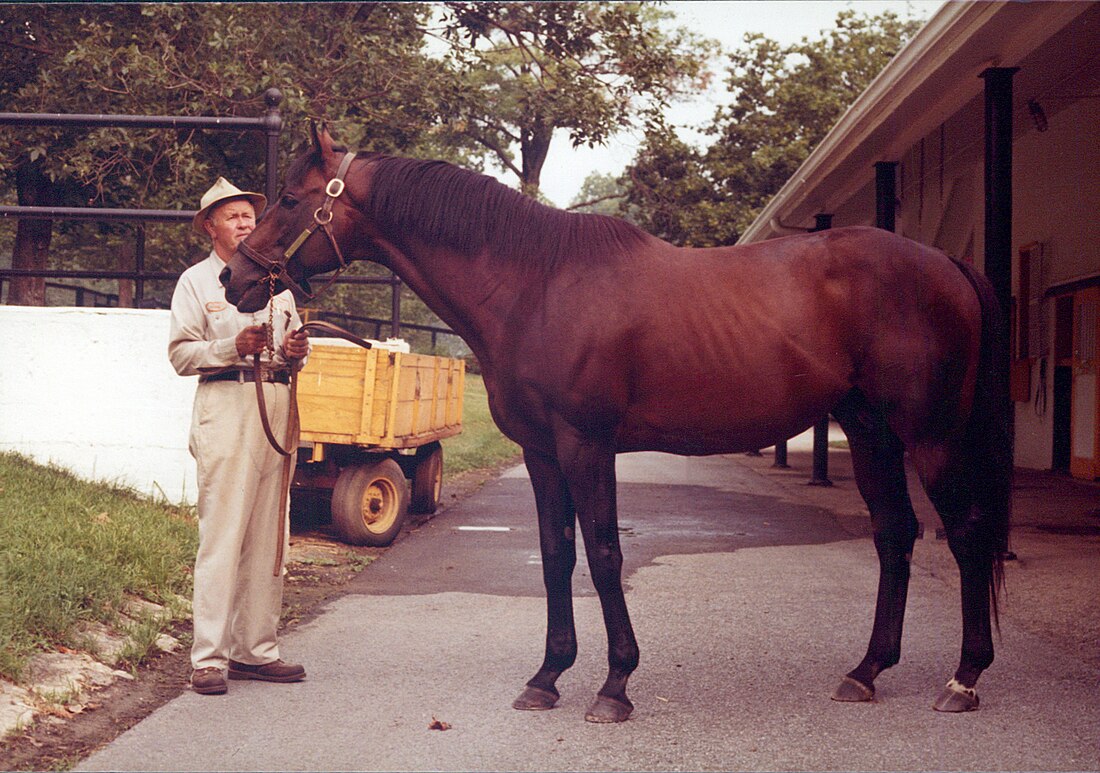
(361, 66)
(783, 101)
(589, 67)
(600, 194)
(509, 74)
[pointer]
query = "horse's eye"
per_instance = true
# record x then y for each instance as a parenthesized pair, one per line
(288, 201)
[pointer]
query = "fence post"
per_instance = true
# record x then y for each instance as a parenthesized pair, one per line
(139, 264)
(273, 125)
(395, 327)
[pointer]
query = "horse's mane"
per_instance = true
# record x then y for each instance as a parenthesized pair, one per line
(445, 205)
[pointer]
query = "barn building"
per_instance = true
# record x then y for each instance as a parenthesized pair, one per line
(982, 138)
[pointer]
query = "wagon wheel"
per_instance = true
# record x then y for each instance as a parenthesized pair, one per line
(369, 503)
(427, 482)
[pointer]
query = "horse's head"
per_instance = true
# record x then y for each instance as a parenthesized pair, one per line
(299, 236)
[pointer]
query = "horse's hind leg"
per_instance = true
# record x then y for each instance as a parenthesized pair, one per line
(878, 464)
(946, 481)
(559, 556)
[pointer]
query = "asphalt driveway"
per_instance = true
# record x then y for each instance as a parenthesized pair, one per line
(748, 606)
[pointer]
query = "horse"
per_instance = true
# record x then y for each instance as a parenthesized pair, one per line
(596, 338)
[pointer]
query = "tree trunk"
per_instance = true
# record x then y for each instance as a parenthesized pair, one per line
(32, 237)
(534, 145)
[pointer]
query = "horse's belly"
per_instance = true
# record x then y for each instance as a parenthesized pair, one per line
(710, 410)
(694, 433)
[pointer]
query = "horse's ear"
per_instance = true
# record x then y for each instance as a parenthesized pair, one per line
(322, 140)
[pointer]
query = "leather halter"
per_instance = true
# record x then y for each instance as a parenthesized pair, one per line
(322, 218)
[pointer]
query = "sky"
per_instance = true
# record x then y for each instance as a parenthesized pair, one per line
(785, 21)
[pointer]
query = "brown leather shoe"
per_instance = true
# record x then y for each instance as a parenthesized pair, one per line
(278, 671)
(208, 681)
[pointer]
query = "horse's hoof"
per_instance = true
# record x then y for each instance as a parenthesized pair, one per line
(956, 698)
(535, 699)
(605, 709)
(853, 691)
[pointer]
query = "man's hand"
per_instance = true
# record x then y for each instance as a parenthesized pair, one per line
(251, 340)
(296, 345)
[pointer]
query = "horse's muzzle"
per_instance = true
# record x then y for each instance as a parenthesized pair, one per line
(226, 278)
(248, 299)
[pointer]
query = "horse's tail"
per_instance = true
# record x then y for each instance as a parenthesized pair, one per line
(989, 433)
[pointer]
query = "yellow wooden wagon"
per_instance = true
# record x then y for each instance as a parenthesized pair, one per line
(370, 420)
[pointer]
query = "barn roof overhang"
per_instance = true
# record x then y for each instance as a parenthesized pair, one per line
(933, 77)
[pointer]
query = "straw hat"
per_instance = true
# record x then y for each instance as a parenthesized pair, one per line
(218, 193)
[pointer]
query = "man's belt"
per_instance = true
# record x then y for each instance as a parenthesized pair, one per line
(249, 376)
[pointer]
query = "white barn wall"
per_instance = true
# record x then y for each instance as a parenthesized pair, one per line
(1054, 185)
(92, 390)
(1054, 190)
(941, 201)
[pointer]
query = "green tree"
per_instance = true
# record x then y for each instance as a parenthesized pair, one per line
(669, 192)
(783, 101)
(589, 67)
(361, 66)
(600, 194)
(27, 47)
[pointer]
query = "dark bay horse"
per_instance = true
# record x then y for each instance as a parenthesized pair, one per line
(596, 338)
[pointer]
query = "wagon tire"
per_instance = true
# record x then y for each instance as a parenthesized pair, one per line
(427, 481)
(369, 503)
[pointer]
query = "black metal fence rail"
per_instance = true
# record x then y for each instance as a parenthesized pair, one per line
(361, 325)
(270, 124)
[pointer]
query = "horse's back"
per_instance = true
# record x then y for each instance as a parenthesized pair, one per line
(763, 340)
(718, 350)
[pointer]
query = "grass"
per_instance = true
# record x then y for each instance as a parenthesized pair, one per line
(73, 551)
(480, 445)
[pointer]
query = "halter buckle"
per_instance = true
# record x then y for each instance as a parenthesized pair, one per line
(322, 211)
(334, 188)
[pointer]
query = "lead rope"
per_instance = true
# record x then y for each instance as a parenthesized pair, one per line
(333, 191)
(287, 451)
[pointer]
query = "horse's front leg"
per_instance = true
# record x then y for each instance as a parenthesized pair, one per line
(557, 541)
(590, 471)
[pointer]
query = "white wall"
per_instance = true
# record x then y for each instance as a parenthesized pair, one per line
(92, 391)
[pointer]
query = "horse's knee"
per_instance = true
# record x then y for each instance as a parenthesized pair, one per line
(605, 561)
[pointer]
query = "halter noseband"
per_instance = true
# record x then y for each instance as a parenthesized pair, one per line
(322, 218)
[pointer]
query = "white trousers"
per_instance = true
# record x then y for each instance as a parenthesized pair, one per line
(238, 597)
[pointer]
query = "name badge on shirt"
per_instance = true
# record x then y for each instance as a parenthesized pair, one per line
(215, 306)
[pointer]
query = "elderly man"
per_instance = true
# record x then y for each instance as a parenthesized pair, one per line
(238, 596)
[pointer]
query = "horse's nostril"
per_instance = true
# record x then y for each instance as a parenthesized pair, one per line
(225, 276)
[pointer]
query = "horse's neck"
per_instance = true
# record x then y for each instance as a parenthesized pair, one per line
(472, 295)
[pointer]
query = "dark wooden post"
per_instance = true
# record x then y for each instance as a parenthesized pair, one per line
(139, 266)
(998, 181)
(885, 194)
(781, 456)
(820, 475)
